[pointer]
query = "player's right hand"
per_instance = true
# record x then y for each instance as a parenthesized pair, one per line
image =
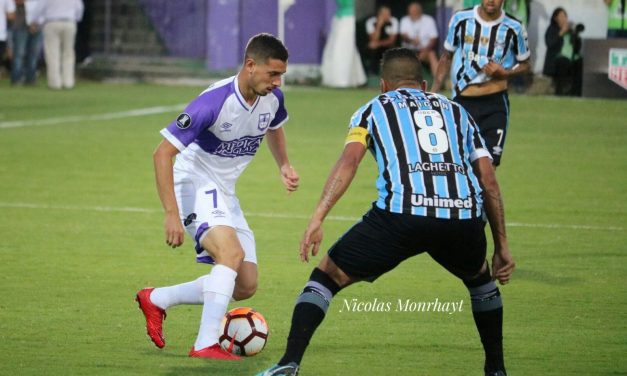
(311, 240)
(502, 266)
(174, 231)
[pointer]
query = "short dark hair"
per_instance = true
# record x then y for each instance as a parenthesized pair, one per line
(400, 64)
(264, 46)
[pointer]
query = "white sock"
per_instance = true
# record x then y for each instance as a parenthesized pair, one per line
(185, 293)
(217, 291)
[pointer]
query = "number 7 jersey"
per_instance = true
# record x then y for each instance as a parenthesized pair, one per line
(424, 146)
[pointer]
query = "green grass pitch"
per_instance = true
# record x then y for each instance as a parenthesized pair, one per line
(81, 232)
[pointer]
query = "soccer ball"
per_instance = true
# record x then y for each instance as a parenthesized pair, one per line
(244, 331)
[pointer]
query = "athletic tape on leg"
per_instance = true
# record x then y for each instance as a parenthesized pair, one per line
(486, 297)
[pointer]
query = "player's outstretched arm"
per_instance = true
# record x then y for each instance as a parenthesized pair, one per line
(444, 66)
(277, 145)
(338, 181)
(162, 157)
(502, 261)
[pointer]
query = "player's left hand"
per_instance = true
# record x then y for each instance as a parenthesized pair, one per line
(311, 240)
(290, 178)
(495, 70)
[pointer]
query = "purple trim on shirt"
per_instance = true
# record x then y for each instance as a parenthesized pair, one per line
(238, 95)
(281, 113)
(203, 112)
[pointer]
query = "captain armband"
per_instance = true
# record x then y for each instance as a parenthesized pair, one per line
(358, 134)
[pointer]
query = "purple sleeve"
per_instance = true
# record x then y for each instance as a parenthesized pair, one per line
(199, 115)
(281, 113)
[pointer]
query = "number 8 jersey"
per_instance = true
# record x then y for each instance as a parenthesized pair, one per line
(424, 146)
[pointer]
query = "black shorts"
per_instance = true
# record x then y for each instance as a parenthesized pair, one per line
(382, 240)
(491, 113)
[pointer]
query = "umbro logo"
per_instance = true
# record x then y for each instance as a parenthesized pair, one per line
(226, 127)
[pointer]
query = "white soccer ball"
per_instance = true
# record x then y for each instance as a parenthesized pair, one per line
(244, 331)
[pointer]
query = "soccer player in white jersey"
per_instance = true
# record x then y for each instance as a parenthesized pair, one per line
(213, 140)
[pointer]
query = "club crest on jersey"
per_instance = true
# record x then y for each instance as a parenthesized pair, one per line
(183, 121)
(264, 121)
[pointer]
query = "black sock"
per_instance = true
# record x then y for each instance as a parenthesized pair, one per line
(487, 310)
(305, 320)
(309, 312)
(490, 327)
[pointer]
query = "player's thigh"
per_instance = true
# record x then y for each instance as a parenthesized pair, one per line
(223, 245)
(460, 247)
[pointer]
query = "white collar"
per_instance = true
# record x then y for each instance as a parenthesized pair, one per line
(488, 23)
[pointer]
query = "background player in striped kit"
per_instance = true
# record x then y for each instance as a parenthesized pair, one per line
(485, 47)
(435, 182)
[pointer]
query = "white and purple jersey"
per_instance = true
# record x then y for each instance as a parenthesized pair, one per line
(219, 132)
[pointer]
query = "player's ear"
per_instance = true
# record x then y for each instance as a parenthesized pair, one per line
(383, 85)
(249, 65)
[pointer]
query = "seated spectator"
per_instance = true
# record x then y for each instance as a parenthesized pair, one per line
(420, 34)
(563, 62)
(382, 32)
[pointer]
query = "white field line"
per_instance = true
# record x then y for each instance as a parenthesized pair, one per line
(96, 117)
(127, 209)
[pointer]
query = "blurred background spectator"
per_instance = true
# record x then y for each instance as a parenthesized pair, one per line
(419, 33)
(7, 13)
(563, 62)
(59, 19)
(382, 32)
(26, 46)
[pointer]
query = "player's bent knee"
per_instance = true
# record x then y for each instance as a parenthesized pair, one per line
(244, 292)
(334, 272)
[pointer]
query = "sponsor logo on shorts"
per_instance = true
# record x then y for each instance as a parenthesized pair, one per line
(183, 121)
(218, 213)
(440, 202)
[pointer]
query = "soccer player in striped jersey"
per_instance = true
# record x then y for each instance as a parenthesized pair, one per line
(435, 183)
(484, 47)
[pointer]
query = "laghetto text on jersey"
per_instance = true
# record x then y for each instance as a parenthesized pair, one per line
(424, 146)
(475, 42)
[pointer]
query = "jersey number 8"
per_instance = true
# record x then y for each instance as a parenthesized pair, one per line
(431, 137)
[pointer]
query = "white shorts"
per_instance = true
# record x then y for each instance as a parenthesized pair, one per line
(203, 205)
